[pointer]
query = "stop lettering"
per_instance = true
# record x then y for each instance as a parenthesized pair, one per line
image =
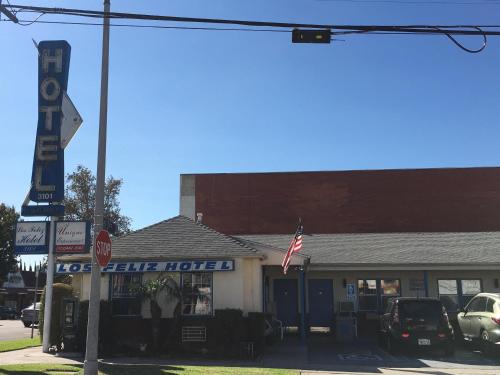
(103, 248)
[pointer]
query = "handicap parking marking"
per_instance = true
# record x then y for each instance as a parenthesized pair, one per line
(359, 357)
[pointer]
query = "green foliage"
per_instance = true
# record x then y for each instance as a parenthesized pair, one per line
(256, 330)
(117, 369)
(8, 218)
(105, 327)
(229, 328)
(163, 286)
(80, 200)
(59, 292)
(153, 290)
(9, 345)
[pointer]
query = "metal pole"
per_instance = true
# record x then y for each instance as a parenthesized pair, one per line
(47, 314)
(302, 288)
(34, 301)
(90, 364)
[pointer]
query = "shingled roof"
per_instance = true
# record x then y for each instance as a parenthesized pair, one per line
(478, 248)
(176, 238)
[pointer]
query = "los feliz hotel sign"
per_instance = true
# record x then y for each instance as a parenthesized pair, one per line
(47, 178)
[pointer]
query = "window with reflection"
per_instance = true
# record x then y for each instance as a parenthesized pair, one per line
(389, 288)
(455, 293)
(469, 289)
(367, 295)
(123, 300)
(197, 293)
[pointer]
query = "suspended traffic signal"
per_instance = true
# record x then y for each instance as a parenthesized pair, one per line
(311, 36)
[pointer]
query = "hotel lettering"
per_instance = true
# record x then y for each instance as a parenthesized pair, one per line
(47, 179)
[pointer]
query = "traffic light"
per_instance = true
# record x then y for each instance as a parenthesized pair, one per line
(311, 36)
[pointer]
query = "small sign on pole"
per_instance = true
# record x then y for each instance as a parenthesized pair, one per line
(103, 248)
(72, 237)
(32, 237)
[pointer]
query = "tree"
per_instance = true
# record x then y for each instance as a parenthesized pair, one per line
(8, 218)
(80, 200)
(163, 287)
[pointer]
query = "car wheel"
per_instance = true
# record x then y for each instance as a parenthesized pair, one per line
(486, 346)
(26, 324)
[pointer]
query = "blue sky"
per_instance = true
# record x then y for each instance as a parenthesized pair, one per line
(207, 101)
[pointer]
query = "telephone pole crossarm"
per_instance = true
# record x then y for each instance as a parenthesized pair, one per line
(11, 16)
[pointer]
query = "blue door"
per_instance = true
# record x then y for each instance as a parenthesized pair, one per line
(286, 299)
(320, 293)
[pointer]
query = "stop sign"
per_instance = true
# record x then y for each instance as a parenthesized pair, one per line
(103, 248)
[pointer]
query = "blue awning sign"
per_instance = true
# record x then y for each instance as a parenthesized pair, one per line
(169, 266)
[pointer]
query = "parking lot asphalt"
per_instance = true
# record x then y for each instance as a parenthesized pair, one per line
(360, 357)
(323, 354)
(14, 329)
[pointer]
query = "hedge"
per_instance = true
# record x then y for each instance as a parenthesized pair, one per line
(59, 292)
(230, 331)
(105, 327)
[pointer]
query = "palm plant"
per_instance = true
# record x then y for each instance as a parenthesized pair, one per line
(163, 287)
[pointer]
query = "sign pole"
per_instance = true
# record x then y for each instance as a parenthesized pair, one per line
(37, 270)
(90, 364)
(47, 315)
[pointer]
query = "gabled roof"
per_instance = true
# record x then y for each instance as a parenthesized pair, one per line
(176, 238)
(468, 249)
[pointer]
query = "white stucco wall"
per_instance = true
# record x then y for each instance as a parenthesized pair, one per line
(241, 288)
(187, 196)
(238, 289)
(81, 286)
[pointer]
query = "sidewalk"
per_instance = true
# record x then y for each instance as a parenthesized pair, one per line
(405, 371)
(290, 356)
(35, 355)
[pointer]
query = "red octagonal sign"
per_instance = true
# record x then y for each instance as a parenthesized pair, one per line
(103, 248)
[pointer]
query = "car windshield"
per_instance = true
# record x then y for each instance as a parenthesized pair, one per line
(30, 307)
(430, 311)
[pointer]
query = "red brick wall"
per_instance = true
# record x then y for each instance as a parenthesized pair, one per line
(422, 200)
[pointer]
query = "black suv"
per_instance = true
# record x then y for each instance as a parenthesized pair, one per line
(416, 323)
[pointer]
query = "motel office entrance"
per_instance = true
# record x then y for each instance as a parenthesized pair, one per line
(326, 305)
(319, 306)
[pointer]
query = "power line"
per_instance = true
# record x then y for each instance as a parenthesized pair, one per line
(450, 31)
(345, 33)
(421, 2)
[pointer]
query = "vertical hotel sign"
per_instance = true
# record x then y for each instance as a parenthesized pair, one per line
(47, 178)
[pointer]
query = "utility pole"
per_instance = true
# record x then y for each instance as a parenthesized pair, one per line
(90, 364)
(47, 315)
(8, 13)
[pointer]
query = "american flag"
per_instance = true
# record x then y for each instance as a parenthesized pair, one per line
(295, 246)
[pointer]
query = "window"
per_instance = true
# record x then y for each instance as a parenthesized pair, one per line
(490, 305)
(448, 294)
(124, 301)
(197, 293)
(389, 288)
(367, 295)
(455, 294)
(373, 295)
(477, 305)
(469, 289)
